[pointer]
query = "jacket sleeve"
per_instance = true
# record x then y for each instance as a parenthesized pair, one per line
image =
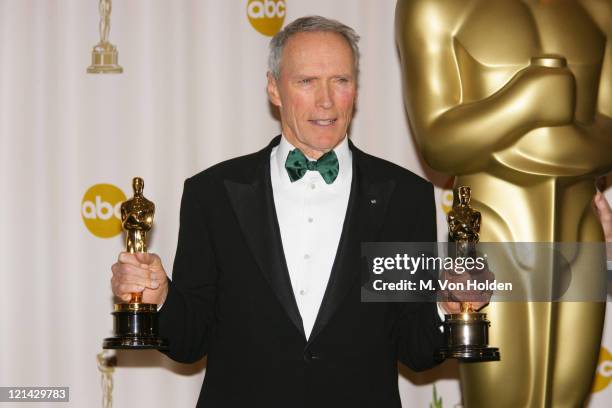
(418, 328)
(188, 314)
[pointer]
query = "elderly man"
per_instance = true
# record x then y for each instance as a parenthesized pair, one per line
(266, 279)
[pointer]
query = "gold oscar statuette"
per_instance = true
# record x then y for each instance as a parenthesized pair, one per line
(513, 98)
(466, 334)
(104, 56)
(135, 323)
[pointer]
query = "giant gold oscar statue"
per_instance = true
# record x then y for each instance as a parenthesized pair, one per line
(514, 98)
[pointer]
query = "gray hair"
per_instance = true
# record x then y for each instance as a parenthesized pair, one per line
(310, 24)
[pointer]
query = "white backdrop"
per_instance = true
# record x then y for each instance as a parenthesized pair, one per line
(192, 94)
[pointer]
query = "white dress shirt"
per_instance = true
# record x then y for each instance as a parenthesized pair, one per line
(310, 217)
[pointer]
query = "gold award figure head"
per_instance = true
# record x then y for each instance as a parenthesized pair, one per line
(137, 218)
(463, 220)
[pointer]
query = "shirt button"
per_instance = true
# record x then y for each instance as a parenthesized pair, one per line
(310, 219)
(312, 186)
(303, 292)
(306, 256)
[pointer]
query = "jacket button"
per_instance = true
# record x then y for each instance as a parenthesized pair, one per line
(310, 356)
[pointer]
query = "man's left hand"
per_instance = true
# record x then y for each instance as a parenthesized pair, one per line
(476, 299)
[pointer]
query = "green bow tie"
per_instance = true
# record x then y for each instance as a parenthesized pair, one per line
(297, 165)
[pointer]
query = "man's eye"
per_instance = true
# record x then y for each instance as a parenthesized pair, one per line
(305, 81)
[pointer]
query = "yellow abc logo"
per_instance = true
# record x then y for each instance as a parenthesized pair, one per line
(603, 375)
(266, 16)
(446, 200)
(101, 210)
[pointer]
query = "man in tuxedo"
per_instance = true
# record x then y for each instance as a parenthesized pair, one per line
(266, 279)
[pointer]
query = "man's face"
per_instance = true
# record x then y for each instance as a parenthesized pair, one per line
(316, 91)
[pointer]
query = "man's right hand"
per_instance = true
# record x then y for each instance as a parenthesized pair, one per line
(140, 272)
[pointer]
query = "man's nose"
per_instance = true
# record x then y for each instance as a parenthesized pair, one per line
(324, 97)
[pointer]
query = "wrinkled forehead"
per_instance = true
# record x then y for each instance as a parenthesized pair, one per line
(317, 48)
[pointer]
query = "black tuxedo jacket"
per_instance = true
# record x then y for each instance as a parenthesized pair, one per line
(231, 296)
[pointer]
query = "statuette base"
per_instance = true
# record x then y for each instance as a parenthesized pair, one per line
(136, 328)
(104, 60)
(469, 354)
(466, 338)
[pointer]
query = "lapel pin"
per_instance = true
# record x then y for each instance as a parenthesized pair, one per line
(373, 201)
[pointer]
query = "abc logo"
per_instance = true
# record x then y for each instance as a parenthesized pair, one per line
(603, 375)
(446, 200)
(101, 210)
(266, 16)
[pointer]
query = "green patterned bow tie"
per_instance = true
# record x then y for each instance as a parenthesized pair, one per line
(297, 165)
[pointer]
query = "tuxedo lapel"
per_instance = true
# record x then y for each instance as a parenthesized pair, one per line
(253, 204)
(364, 216)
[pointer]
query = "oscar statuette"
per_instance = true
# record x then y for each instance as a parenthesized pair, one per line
(466, 334)
(104, 56)
(135, 323)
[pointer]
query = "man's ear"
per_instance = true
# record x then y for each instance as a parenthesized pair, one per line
(272, 89)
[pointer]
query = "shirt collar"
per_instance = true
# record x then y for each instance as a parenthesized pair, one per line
(345, 159)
